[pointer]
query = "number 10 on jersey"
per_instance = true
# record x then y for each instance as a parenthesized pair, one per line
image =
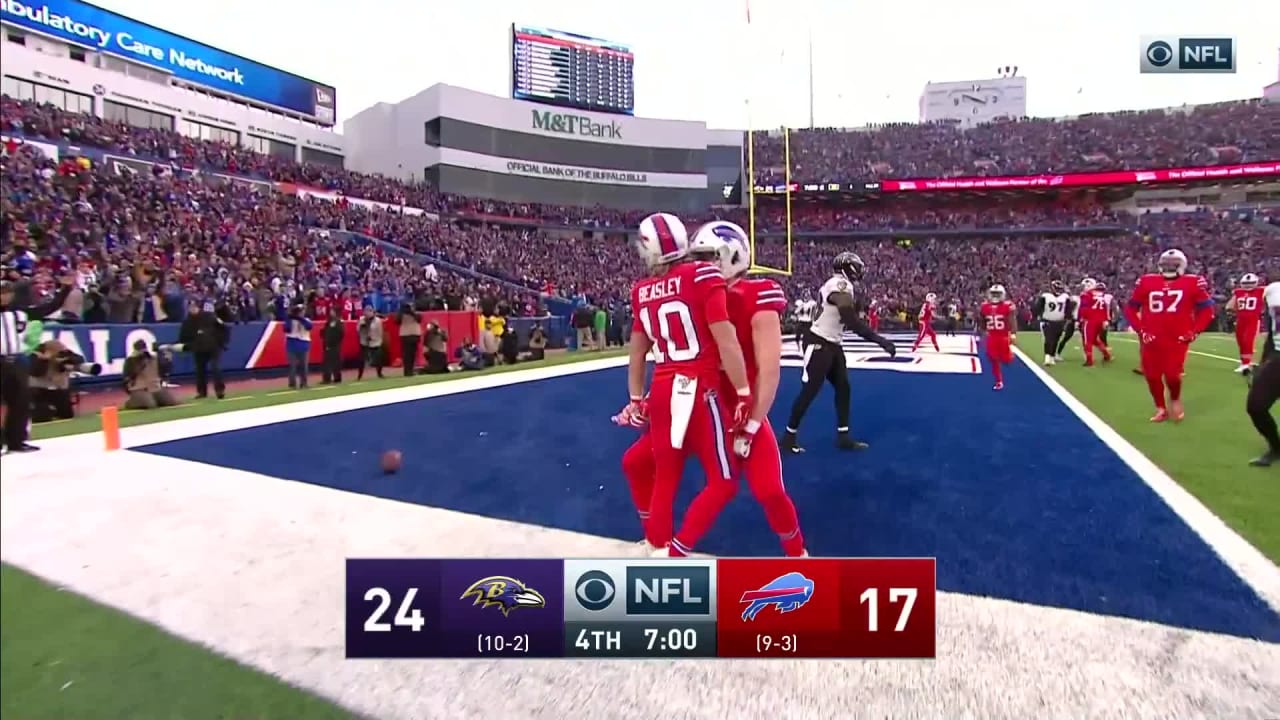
(670, 327)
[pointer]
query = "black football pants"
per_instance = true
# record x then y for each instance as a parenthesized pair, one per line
(1053, 330)
(1068, 332)
(15, 390)
(823, 363)
(1262, 395)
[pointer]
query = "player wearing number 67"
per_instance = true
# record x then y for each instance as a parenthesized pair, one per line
(1168, 310)
(997, 323)
(682, 318)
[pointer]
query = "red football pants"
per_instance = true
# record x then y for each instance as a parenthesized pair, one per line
(1164, 358)
(706, 438)
(763, 469)
(1091, 337)
(1246, 337)
(926, 331)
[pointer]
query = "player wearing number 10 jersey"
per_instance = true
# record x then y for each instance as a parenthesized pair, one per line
(681, 316)
(755, 308)
(1168, 310)
(998, 322)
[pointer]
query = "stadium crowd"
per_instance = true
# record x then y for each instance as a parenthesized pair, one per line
(147, 244)
(1218, 134)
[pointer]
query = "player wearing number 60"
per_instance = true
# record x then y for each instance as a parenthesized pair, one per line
(997, 322)
(681, 316)
(1168, 310)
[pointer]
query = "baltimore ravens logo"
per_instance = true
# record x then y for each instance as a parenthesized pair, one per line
(504, 593)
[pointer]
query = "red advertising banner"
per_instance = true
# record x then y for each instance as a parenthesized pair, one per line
(826, 608)
(1117, 177)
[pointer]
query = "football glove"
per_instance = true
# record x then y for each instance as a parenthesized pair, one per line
(1187, 338)
(742, 410)
(1146, 338)
(742, 440)
(635, 414)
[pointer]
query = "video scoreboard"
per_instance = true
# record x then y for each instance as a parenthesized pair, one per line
(571, 70)
(643, 608)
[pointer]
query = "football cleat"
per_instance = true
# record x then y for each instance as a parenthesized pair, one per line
(1244, 369)
(998, 386)
(790, 443)
(1265, 459)
(1057, 358)
(844, 442)
(1048, 360)
(1176, 410)
(1160, 416)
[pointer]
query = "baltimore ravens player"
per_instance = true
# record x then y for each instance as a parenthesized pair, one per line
(840, 306)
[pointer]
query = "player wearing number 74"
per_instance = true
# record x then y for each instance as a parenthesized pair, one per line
(1168, 310)
(682, 318)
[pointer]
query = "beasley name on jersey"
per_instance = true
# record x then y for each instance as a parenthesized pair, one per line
(676, 311)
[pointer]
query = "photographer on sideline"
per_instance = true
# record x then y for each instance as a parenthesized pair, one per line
(51, 366)
(15, 385)
(297, 345)
(437, 349)
(331, 335)
(410, 337)
(142, 379)
(369, 331)
(205, 335)
(537, 342)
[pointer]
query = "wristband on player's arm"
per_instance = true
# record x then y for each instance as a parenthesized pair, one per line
(751, 427)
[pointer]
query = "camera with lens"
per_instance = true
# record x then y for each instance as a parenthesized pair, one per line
(63, 361)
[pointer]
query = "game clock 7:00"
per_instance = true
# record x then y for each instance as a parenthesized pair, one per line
(644, 608)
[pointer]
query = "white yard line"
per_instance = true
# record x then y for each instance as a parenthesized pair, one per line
(1192, 352)
(1243, 558)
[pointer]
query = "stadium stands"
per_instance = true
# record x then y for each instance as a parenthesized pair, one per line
(181, 234)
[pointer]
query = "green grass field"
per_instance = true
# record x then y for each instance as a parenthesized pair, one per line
(1208, 453)
(64, 657)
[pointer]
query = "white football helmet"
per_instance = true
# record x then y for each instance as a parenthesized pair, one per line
(662, 240)
(1172, 263)
(725, 244)
(931, 298)
(996, 293)
(1249, 281)
(1088, 284)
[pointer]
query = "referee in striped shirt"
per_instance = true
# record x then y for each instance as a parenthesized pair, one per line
(15, 383)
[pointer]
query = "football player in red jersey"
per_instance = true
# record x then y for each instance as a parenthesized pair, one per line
(756, 307)
(927, 312)
(1093, 313)
(997, 325)
(1168, 310)
(1246, 301)
(873, 315)
(682, 318)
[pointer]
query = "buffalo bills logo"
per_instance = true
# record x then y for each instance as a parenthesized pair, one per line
(787, 593)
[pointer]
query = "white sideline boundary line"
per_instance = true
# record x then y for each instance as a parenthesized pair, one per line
(1193, 352)
(181, 429)
(1258, 572)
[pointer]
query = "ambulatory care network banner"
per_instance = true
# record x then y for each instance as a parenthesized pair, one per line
(1247, 171)
(104, 31)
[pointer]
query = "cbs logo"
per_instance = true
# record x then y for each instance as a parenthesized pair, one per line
(595, 590)
(1159, 53)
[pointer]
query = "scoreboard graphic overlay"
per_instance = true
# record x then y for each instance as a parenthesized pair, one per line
(642, 608)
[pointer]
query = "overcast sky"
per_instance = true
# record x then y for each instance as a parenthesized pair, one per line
(700, 60)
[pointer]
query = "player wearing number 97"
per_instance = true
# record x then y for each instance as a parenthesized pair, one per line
(755, 308)
(681, 316)
(998, 322)
(1168, 310)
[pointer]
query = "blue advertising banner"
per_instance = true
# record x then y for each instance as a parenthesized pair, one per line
(104, 31)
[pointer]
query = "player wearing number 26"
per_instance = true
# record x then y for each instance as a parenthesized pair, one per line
(997, 324)
(1168, 310)
(682, 319)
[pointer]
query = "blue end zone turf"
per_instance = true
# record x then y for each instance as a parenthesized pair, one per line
(1011, 492)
